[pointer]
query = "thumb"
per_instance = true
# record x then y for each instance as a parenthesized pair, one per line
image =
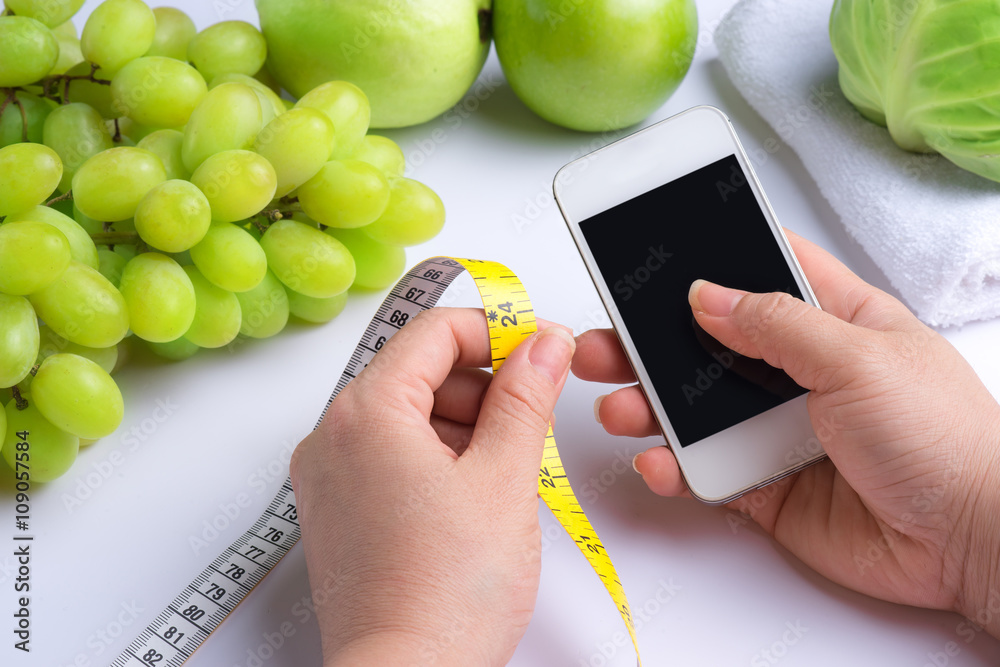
(515, 413)
(812, 346)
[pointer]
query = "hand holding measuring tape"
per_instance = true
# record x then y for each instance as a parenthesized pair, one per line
(411, 601)
(456, 457)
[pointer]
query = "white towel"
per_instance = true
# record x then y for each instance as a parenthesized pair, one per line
(933, 228)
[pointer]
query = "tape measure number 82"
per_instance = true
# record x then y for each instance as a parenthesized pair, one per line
(204, 604)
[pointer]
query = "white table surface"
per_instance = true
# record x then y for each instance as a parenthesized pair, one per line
(200, 435)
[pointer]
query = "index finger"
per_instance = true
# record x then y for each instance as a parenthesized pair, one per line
(415, 362)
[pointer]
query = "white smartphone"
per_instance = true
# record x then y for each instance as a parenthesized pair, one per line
(650, 214)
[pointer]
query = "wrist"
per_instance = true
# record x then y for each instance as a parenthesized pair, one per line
(394, 649)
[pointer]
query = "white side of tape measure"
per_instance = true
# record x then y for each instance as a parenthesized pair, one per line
(184, 625)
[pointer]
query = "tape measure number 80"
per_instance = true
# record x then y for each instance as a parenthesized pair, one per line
(177, 632)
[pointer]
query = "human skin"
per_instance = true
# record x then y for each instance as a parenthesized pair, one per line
(913, 438)
(421, 536)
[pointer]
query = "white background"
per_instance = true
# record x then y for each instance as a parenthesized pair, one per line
(105, 567)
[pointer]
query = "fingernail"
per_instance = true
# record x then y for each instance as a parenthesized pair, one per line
(713, 299)
(635, 462)
(597, 407)
(552, 352)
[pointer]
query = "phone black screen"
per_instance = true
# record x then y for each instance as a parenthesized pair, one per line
(706, 224)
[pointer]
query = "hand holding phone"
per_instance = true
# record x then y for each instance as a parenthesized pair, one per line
(651, 214)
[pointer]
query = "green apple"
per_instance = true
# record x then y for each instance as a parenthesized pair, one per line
(414, 59)
(595, 65)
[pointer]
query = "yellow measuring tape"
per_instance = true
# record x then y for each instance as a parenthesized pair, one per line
(184, 625)
(511, 319)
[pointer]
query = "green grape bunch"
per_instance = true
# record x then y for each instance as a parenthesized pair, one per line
(156, 187)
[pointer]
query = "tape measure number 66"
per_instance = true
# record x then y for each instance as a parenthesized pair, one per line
(184, 625)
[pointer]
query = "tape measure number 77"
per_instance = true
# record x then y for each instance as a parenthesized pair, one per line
(184, 625)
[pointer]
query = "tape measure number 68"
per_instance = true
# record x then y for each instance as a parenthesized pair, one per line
(184, 625)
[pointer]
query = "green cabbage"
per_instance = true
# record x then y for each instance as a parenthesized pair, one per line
(929, 70)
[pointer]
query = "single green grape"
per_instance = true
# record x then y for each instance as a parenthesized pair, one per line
(228, 118)
(160, 297)
(18, 339)
(157, 91)
(52, 343)
(174, 31)
(84, 91)
(296, 144)
(28, 51)
(32, 255)
(66, 28)
(230, 258)
(167, 145)
(307, 260)
(228, 47)
(131, 132)
(50, 12)
(277, 104)
(76, 132)
(89, 225)
(347, 107)
(110, 185)
(84, 307)
(415, 214)
(111, 265)
(174, 216)
(318, 311)
(118, 32)
(176, 350)
(217, 317)
(264, 308)
(237, 183)
(126, 251)
(267, 78)
(382, 153)
(28, 175)
(379, 265)
(49, 451)
(81, 246)
(36, 110)
(70, 54)
(78, 396)
(345, 194)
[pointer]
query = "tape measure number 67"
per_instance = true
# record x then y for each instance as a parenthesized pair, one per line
(184, 625)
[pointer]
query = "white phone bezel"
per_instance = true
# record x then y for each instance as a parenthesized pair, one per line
(722, 467)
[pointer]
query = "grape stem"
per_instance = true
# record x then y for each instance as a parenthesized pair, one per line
(64, 197)
(18, 399)
(115, 238)
(51, 85)
(11, 98)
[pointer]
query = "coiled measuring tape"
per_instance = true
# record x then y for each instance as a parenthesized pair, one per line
(177, 632)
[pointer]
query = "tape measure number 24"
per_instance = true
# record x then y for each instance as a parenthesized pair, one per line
(184, 625)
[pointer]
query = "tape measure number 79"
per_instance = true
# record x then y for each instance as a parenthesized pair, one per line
(184, 625)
